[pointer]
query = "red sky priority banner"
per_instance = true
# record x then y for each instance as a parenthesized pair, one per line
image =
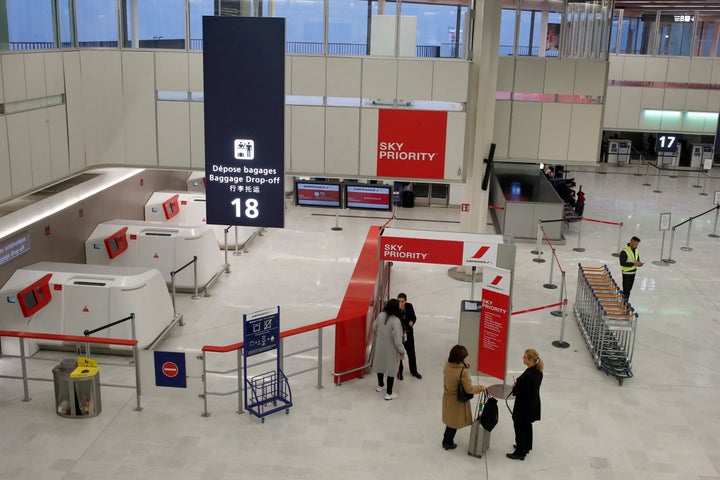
(411, 144)
(494, 322)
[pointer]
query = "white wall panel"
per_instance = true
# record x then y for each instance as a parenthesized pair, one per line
(19, 151)
(5, 184)
(715, 76)
(171, 71)
(13, 70)
(501, 128)
(554, 131)
(307, 139)
(590, 78)
(139, 107)
(455, 145)
(629, 108)
(672, 123)
(35, 75)
(343, 77)
(59, 156)
(634, 68)
(696, 100)
(524, 131)
(652, 98)
(701, 70)
(655, 69)
(615, 70)
(197, 135)
(288, 137)
(173, 134)
(54, 78)
(506, 74)
(713, 102)
(378, 78)
(368, 140)
(585, 130)
(415, 80)
(342, 127)
(678, 69)
(288, 74)
(40, 147)
(649, 122)
(559, 76)
(530, 75)
(308, 75)
(674, 99)
(450, 81)
(103, 107)
(612, 107)
(195, 74)
(2, 89)
(74, 108)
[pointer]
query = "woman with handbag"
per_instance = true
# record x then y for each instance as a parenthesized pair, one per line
(527, 403)
(455, 413)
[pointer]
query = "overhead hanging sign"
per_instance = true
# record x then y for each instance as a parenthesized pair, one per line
(444, 248)
(244, 89)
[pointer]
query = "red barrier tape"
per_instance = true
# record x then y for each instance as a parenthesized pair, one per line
(495, 208)
(391, 218)
(603, 221)
(564, 302)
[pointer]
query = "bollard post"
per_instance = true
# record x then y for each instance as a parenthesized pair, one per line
(562, 343)
(538, 244)
(138, 388)
(657, 185)
(687, 247)
(561, 312)
(672, 241)
(551, 285)
(241, 381)
(619, 244)
(579, 248)
(714, 234)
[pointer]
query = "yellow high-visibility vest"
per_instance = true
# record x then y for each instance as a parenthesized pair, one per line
(631, 257)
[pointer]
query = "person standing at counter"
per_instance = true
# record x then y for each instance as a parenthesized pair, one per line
(527, 403)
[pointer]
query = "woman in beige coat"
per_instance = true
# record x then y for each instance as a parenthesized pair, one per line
(456, 414)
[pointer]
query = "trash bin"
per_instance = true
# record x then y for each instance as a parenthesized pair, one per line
(77, 390)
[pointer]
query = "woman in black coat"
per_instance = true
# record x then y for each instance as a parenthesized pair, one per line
(527, 403)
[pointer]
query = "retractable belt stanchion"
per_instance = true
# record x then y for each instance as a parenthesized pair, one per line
(579, 248)
(687, 247)
(561, 312)
(661, 262)
(637, 174)
(561, 343)
(704, 193)
(619, 244)
(538, 244)
(647, 168)
(697, 182)
(337, 226)
(551, 285)
(237, 243)
(672, 241)
(657, 184)
(714, 232)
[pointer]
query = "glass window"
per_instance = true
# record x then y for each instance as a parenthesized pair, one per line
(675, 35)
(507, 32)
(155, 23)
(552, 34)
(199, 9)
(437, 28)
(304, 23)
(348, 28)
(529, 33)
(29, 24)
(636, 34)
(703, 45)
(67, 24)
(382, 29)
(97, 23)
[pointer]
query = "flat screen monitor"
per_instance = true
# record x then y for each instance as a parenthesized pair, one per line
(29, 299)
(368, 197)
(317, 194)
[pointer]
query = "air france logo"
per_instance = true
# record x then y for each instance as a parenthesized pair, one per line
(496, 280)
(244, 149)
(482, 251)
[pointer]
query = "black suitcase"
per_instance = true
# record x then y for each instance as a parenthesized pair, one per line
(408, 199)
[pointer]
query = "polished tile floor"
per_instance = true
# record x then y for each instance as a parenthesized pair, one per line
(664, 423)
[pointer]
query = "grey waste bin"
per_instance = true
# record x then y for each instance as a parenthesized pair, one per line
(76, 396)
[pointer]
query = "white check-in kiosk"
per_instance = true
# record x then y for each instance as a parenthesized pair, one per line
(68, 298)
(135, 243)
(619, 151)
(188, 208)
(196, 182)
(699, 152)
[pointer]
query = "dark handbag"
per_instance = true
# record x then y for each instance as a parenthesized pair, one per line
(489, 414)
(462, 395)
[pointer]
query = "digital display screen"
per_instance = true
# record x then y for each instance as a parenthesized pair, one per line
(113, 245)
(368, 197)
(29, 299)
(317, 194)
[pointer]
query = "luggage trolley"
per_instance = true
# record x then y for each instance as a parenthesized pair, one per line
(606, 320)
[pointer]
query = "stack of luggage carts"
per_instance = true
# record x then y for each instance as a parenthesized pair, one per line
(606, 320)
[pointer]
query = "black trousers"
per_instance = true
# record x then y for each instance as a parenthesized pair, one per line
(449, 435)
(523, 437)
(409, 345)
(628, 281)
(390, 382)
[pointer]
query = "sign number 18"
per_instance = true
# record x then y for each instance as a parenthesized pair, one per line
(251, 208)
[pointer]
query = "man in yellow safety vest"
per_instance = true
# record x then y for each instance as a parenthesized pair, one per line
(629, 263)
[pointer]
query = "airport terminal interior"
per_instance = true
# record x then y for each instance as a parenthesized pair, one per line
(663, 423)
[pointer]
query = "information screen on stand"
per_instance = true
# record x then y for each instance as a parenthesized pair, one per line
(244, 89)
